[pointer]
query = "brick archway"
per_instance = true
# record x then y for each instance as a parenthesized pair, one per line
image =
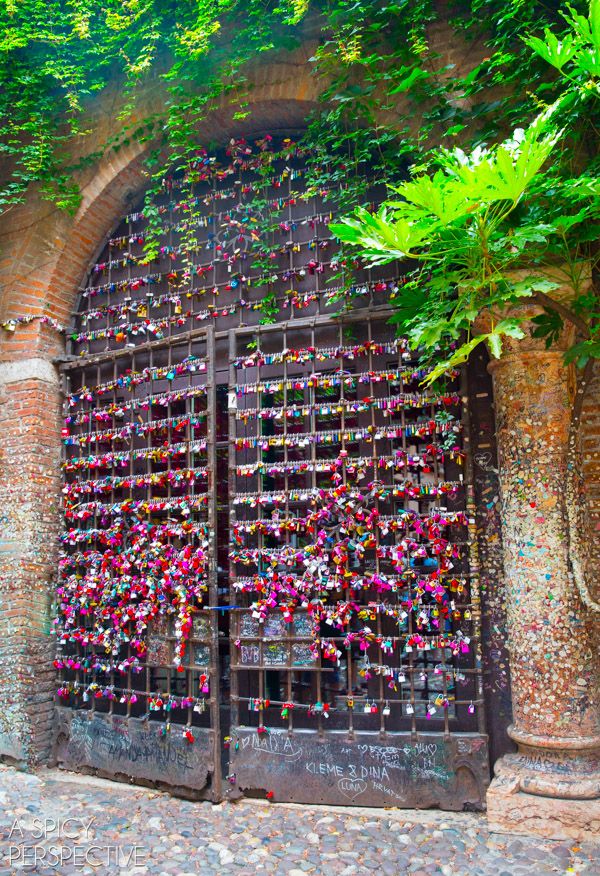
(46, 254)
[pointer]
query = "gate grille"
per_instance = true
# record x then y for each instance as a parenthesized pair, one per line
(342, 651)
(356, 631)
(137, 637)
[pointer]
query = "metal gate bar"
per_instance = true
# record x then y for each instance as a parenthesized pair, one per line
(254, 204)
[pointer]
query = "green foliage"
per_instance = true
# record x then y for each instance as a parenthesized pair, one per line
(378, 73)
(388, 100)
(484, 226)
(576, 55)
(269, 308)
(57, 55)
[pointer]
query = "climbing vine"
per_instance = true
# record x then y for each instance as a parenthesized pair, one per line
(387, 96)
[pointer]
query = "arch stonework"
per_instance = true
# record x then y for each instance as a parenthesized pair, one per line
(45, 256)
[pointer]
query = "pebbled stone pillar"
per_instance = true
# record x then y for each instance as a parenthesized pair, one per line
(551, 785)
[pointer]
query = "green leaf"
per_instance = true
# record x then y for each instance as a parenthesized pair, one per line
(381, 236)
(565, 223)
(494, 342)
(510, 327)
(589, 62)
(454, 129)
(457, 358)
(595, 22)
(548, 325)
(440, 195)
(583, 351)
(554, 51)
(409, 81)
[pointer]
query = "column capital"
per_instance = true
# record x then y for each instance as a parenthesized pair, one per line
(34, 368)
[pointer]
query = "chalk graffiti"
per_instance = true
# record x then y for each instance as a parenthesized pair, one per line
(352, 788)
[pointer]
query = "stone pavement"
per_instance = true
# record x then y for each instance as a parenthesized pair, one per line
(86, 825)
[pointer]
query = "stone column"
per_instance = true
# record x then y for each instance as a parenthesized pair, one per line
(29, 526)
(551, 785)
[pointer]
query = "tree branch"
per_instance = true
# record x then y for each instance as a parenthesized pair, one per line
(583, 383)
(565, 312)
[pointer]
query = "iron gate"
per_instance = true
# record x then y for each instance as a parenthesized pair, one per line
(137, 649)
(269, 533)
(356, 673)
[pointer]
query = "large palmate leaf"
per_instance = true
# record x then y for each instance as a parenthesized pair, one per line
(578, 50)
(382, 236)
(504, 173)
(589, 62)
(431, 207)
(554, 51)
(440, 196)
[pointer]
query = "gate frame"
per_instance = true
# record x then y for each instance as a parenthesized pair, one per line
(107, 738)
(462, 749)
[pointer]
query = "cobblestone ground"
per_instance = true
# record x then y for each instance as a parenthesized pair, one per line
(112, 824)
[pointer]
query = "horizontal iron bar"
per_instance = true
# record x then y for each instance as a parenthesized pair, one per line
(82, 362)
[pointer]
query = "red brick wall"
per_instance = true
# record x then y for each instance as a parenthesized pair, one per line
(29, 502)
